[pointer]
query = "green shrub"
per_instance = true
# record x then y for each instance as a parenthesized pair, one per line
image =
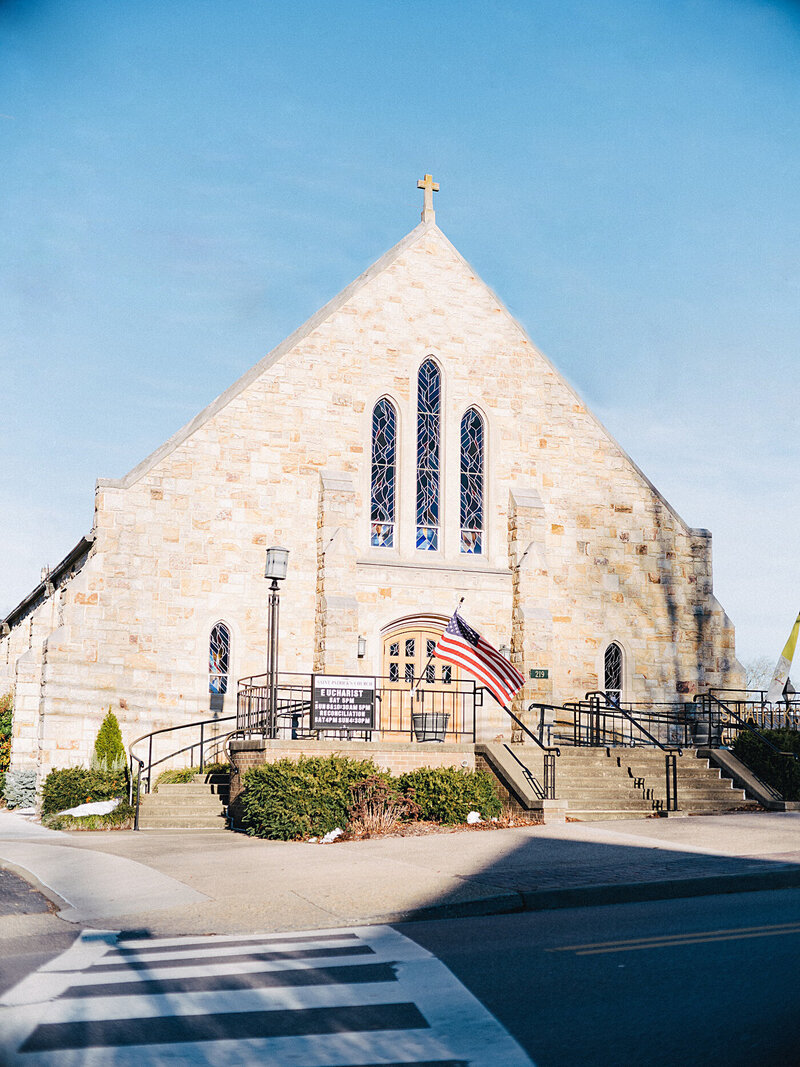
(287, 800)
(2, 787)
(781, 772)
(19, 789)
(449, 794)
(186, 774)
(6, 716)
(70, 786)
(121, 818)
(109, 751)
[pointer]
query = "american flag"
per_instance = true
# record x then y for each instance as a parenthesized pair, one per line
(464, 647)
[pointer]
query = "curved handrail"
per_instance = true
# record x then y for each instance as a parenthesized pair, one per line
(171, 755)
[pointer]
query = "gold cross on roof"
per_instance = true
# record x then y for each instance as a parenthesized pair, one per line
(430, 186)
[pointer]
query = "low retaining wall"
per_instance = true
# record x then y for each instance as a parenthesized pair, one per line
(395, 758)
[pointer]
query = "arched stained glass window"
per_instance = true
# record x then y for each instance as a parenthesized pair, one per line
(613, 671)
(219, 653)
(384, 474)
(428, 436)
(472, 483)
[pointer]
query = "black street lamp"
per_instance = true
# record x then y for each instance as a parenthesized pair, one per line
(277, 565)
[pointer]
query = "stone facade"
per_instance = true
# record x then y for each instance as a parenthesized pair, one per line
(579, 548)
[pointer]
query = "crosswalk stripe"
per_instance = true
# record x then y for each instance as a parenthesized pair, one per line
(370, 998)
(268, 956)
(206, 983)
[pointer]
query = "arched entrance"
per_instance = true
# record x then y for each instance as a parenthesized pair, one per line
(408, 646)
(416, 682)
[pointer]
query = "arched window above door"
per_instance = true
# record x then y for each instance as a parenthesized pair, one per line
(219, 653)
(472, 477)
(383, 475)
(428, 461)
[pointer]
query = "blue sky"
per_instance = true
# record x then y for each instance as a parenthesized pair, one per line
(186, 181)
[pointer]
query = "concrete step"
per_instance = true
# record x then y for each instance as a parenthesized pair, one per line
(582, 815)
(194, 789)
(182, 822)
(613, 803)
(181, 805)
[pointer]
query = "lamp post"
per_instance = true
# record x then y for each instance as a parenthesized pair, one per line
(275, 570)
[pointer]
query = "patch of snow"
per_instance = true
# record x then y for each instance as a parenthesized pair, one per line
(329, 837)
(98, 807)
(473, 817)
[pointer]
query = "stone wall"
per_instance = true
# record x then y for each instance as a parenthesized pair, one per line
(579, 548)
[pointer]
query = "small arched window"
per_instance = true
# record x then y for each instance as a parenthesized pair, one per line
(612, 683)
(428, 436)
(472, 483)
(219, 654)
(383, 474)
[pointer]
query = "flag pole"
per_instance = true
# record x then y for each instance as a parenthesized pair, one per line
(427, 664)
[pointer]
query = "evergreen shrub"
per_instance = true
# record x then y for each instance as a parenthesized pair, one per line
(70, 786)
(449, 794)
(289, 799)
(19, 789)
(781, 772)
(109, 751)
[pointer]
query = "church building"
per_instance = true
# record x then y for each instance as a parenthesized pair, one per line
(410, 446)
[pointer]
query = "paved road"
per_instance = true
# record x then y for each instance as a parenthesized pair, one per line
(711, 980)
(706, 981)
(359, 997)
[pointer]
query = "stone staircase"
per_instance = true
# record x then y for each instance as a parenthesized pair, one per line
(616, 783)
(197, 805)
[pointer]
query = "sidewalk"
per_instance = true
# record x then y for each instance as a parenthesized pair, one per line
(178, 882)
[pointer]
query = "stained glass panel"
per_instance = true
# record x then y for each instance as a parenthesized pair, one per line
(447, 674)
(409, 672)
(472, 483)
(613, 670)
(394, 672)
(394, 648)
(428, 436)
(219, 648)
(410, 646)
(430, 674)
(384, 472)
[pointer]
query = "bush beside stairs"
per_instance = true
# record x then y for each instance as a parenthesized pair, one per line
(201, 804)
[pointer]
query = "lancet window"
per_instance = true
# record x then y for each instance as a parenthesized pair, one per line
(219, 654)
(613, 671)
(384, 474)
(428, 446)
(472, 476)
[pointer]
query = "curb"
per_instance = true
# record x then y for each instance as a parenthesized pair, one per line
(590, 896)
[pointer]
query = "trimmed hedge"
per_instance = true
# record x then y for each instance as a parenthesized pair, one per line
(288, 799)
(70, 786)
(449, 794)
(781, 772)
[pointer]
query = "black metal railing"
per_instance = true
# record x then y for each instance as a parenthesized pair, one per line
(728, 724)
(402, 713)
(547, 789)
(204, 746)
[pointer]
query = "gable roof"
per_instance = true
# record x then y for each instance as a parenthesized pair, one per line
(380, 265)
